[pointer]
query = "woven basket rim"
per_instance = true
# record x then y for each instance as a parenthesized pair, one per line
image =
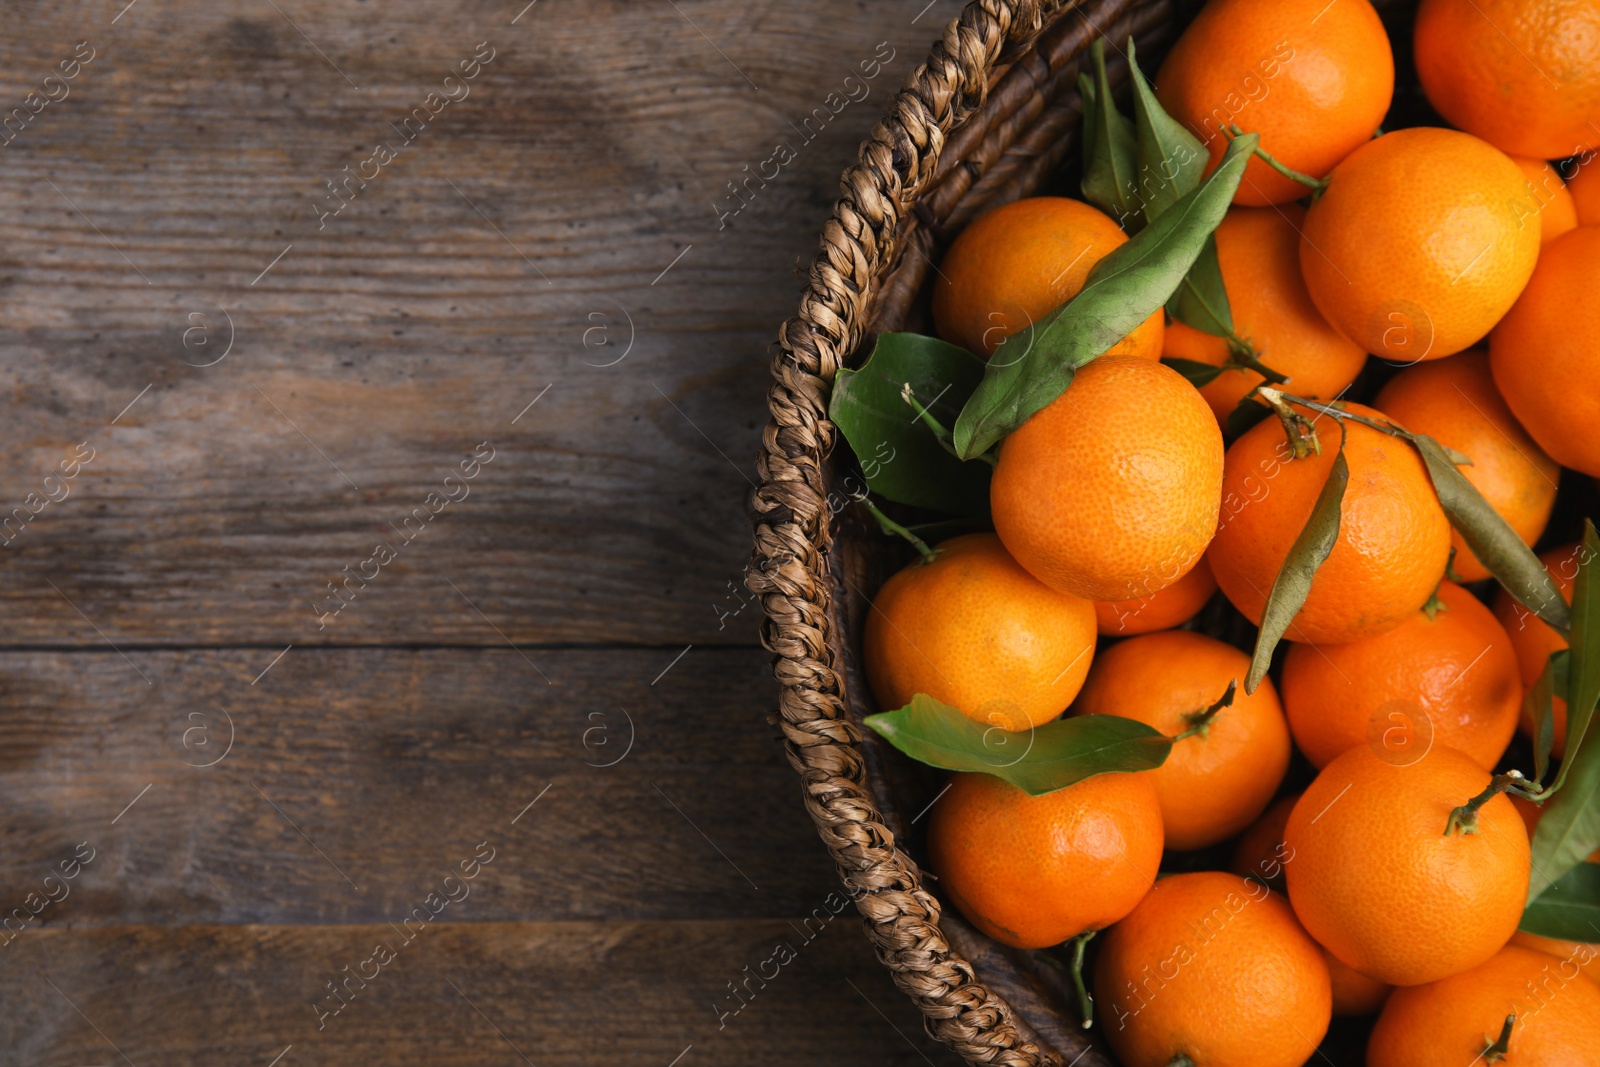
(790, 572)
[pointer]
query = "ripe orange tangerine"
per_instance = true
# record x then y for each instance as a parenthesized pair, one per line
(1217, 780)
(1380, 884)
(1169, 606)
(1111, 492)
(1258, 250)
(1452, 679)
(972, 629)
(1014, 265)
(1393, 539)
(1035, 871)
(1453, 1022)
(1213, 967)
(1421, 241)
(1455, 402)
(1314, 79)
(1522, 74)
(1558, 212)
(1545, 352)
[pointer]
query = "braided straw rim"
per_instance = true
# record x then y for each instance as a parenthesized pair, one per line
(895, 166)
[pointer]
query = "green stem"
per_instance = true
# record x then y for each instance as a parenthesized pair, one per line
(942, 433)
(1085, 1001)
(1464, 820)
(1434, 604)
(1501, 1047)
(1180, 1060)
(1247, 357)
(891, 527)
(1302, 434)
(1333, 412)
(1200, 721)
(1316, 185)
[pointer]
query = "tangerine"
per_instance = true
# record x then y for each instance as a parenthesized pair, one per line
(1450, 679)
(1545, 353)
(1422, 239)
(1313, 79)
(1219, 778)
(1456, 1021)
(1259, 252)
(1111, 491)
(1393, 538)
(1017, 263)
(972, 629)
(1169, 606)
(1353, 992)
(1378, 881)
(1522, 74)
(1584, 185)
(1558, 212)
(1260, 852)
(1215, 968)
(1035, 871)
(1455, 402)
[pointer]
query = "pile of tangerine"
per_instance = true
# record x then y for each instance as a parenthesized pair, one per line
(1394, 884)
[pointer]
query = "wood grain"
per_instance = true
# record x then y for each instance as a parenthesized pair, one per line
(523, 226)
(252, 392)
(457, 994)
(356, 777)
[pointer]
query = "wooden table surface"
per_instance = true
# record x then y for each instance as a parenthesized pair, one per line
(382, 384)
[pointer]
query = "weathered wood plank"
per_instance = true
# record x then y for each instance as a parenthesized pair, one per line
(457, 994)
(355, 776)
(522, 226)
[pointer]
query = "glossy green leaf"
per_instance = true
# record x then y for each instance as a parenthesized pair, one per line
(1198, 374)
(1583, 641)
(1539, 704)
(1110, 160)
(1035, 365)
(1244, 415)
(1171, 160)
(900, 454)
(1569, 910)
(1293, 584)
(1202, 300)
(1569, 829)
(1040, 760)
(1491, 538)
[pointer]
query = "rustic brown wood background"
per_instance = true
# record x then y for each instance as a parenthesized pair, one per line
(267, 793)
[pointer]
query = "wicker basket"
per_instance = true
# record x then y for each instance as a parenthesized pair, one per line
(991, 116)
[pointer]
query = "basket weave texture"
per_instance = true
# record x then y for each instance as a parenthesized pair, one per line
(987, 118)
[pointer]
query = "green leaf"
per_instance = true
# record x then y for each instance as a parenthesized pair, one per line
(1491, 538)
(1201, 300)
(1569, 829)
(1198, 374)
(1570, 826)
(1034, 366)
(1110, 159)
(1244, 415)
(1171, 160)
(900, 454)
(1171, 163)
(1040, 760)
(1569, 910)
(1538, 702)
(1293, 584)
(1583, 641)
